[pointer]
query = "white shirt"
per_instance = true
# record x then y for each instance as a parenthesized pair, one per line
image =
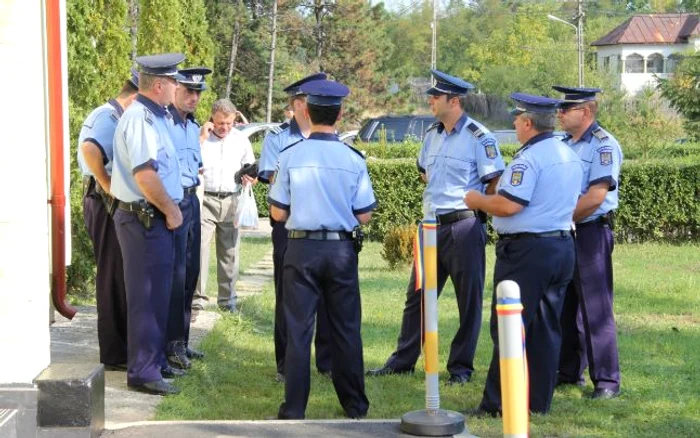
(222, 158)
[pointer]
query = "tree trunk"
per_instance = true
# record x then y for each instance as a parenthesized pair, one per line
(271, 75)
(318, 30)
(133, 25)
(235, 38)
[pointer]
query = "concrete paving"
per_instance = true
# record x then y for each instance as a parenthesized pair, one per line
(266, 429)
(76, 342)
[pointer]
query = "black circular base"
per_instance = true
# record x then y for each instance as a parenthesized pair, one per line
(439, 423)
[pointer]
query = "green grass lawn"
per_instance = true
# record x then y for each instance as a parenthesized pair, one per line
(658, 313)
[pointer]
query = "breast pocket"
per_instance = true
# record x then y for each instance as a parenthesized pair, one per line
(459, 169)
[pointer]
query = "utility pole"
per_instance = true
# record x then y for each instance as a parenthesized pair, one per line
(433, 54)
(579, 34)
(271, 77)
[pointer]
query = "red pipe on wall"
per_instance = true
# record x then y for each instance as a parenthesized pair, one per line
(58, 192)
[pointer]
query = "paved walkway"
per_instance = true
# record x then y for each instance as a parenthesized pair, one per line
(128, 413)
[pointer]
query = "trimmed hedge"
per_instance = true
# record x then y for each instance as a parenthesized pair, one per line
(659, 200)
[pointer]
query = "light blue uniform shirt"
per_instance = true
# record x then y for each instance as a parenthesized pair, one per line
(273, 144)
(464, 159)
(142, 139)
(98, 129)
(545, 178)
(602, 157)
(185, 135)
(323, 183)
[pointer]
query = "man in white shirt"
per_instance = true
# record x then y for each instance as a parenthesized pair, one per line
(224, 151)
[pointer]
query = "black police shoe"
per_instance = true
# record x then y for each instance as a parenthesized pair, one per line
(387, 370)
(194, 354)
(158, 387)
(179, 360)
(169, 372)
(115, 367)
(604, 393)
(563, 382)
(458, 379)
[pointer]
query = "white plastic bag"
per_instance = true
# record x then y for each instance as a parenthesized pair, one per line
(247, 210)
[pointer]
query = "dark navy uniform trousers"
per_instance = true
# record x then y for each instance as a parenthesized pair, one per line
(328, 269)
(589, 335)
(149, 260)
(109, 281)
(186, 271)
(322, 341)
(542, 267)
(461, 256)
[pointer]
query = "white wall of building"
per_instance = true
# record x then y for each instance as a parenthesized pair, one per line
(616, 58)
(24, 223)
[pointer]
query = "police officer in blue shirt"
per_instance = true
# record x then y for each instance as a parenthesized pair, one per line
(532, 213)
(297, 129)
(185, 132)
(95, 154)
(589, 334)
(148, 183)
(458, 154)
(323, 192)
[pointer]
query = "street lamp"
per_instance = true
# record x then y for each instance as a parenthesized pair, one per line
(579, 44)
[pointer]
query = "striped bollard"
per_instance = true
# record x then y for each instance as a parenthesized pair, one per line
(514, 375)
(432, 421)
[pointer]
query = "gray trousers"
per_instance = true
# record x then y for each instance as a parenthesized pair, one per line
(217, 218)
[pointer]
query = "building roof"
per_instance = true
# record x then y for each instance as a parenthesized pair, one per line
(653, 29)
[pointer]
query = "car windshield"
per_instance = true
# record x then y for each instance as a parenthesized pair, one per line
(395, 129)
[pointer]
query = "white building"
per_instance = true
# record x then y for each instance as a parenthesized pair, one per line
(646, 46)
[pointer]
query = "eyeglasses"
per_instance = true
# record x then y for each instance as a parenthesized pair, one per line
(566, 110)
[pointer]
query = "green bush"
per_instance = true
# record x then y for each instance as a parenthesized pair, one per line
(398, 245)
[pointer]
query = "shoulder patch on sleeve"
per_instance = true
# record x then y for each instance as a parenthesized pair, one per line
(605, 154)
(355, 150)
(292, 145)
(490, 148)
(433, 126)
(517, 174)
(600, 134)
(478, 132)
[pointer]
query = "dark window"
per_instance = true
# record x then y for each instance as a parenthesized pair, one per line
(672, 62)
(655, 63)
(634, 64)
(395, 130)
(366, 130)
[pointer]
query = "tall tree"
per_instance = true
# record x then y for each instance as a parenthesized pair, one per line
(683, 90)
(98, 65)
(160, 27)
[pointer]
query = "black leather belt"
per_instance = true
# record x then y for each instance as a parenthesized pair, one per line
(190, 190)
(559, 233)
(600, 220)
(448, 218)
(319, 235)
(139, 207)
(220, 195)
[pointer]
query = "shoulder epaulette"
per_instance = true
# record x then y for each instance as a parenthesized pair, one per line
(433, 126)
(600, 134)
(148, 115)
(114, 115)
(355, 150)
(292, 145)
(277, 129)
(474, 129)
